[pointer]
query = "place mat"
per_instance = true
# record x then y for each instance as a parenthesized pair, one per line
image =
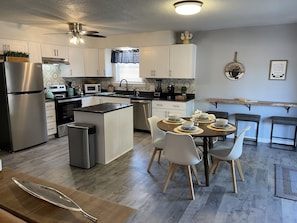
(198, 131)
(31, 209)
(174, 123)
(229, 128)
(286, 182)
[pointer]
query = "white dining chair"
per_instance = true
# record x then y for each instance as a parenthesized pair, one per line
(180, 150)
(158, 139)
(221, 152)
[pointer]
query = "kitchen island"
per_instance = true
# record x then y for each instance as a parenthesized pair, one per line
(114, 128)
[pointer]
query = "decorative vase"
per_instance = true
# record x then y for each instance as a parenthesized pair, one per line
(186, 41)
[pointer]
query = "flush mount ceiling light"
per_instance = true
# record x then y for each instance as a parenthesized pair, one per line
(188, 7)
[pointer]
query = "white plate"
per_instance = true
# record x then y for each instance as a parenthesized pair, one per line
(214, 125)
(193, 129)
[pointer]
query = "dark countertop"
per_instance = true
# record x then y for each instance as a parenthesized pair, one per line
(130, 95)
(103, 108)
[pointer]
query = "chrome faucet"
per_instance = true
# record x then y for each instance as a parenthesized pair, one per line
(127, 89)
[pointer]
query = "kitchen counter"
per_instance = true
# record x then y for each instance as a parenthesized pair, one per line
(114, 129)
(103, 108)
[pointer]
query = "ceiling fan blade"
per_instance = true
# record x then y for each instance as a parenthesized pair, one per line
(94, 35)
(88, 32)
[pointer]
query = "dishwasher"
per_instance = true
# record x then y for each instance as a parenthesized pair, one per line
(142, 110)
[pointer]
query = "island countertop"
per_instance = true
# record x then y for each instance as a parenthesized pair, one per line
(103, 108)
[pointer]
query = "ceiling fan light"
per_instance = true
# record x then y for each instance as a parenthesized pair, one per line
(81, 40)
(74, 40)
(188, 7)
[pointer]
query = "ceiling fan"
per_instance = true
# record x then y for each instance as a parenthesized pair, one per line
(76, 32)
(75, 29)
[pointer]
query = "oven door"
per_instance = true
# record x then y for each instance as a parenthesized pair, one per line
(65, 110)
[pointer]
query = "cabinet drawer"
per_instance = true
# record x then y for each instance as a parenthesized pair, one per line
(51, 128)
(51, 116)
(49, 106)
(169, 105)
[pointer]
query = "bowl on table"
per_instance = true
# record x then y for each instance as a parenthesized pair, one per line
(188, 125)
(173, 117)
(203, 115)
(221, 122)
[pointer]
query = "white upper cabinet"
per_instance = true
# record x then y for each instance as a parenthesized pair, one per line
(13, 45)
(174, 61)
(54, 51)
(91, 60)
(76, 60)
(34, 52)
(154, 62)
(183, 61)
(105, 66)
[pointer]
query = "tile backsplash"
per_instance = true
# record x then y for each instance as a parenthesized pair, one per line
(52, 75)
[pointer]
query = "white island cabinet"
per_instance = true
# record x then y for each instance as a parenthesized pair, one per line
(114, 128)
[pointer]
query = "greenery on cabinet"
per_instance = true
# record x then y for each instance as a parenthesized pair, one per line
(15, 54)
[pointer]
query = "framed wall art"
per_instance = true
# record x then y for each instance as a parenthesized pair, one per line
(278, 69)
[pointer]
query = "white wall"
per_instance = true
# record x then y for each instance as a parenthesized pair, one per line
(256, 46)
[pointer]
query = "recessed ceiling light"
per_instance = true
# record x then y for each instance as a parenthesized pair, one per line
(188, 7)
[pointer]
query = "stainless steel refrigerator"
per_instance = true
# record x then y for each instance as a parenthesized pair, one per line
(22, 106)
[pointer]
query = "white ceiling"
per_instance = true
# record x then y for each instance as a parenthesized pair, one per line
(130, 16)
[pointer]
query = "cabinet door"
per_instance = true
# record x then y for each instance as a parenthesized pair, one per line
(76, 60)
(34, 52)
(13, 45)
(54, 51)
(154, 62)
(91, 60)
(183, 61)
(105, 66)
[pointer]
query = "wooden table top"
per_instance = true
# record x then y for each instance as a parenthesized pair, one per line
(207, 132)
(31, 209)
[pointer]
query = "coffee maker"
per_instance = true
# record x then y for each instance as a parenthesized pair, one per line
(170, 89)
(158, 89)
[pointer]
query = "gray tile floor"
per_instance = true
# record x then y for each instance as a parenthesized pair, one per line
(127, 182)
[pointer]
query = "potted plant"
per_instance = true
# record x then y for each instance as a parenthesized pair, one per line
(15, 56)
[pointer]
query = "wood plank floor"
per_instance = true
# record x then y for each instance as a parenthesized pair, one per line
(127, 182)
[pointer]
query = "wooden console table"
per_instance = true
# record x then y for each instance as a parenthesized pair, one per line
(31, 209)
(249, 103)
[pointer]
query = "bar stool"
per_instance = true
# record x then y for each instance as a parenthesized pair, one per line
(280, 120)
(248, 118)
(220, 114)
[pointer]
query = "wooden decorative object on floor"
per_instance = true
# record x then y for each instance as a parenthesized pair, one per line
(29, 208)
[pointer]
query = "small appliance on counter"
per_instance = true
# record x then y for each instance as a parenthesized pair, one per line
(92, 88)
(158, 89)
(170, 89)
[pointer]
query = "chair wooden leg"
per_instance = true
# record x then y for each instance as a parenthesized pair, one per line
(231, 162)
(239, 169)
(196, 174)
(215, 163)
(189, 175)
(159, 157)
(169, 174)
(152, 159)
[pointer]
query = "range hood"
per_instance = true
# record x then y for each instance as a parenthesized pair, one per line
(52, 60)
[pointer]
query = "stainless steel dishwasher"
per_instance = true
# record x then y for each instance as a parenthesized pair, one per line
(142, 110)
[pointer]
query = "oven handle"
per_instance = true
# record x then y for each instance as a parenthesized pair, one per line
(69, 100)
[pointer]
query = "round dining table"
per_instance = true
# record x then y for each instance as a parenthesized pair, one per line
(205, 130)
